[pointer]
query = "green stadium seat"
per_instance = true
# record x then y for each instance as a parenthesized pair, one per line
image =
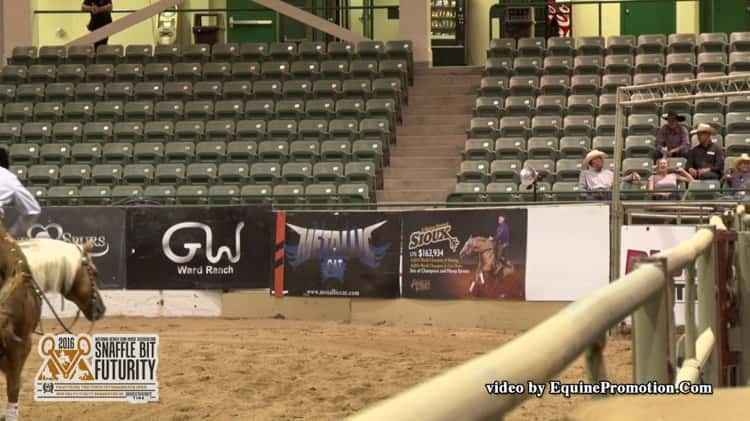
(139, 111)
(207, 91)
(334, 69)
(167, 53)
(179, 152)
(574, 146)
(164, 194)
(543, 125)
(233, 172)
(341, 50)
(239, 90)
(343, 129)
(109, 111)
(245, 71)
(253, 51)
(86, 153)
(49, 111)
(54, 153)
(361, 172)
(51, 54)
(131, 132)
(327, 89)
(94, 195)
(566, 191)
(304, 151)
(313, 130)
(585, 105)
(267, 89)
(510, 148)
(148, 152)
(550, 105)
(62, 195)
(23, 55)
(309, 50)
(208, 151)
(501, 192)
(142, 174)
(109, 54)
(640, 146)
(106, 174)
(129, 72)
(322, 109)
(14, 74)
(505, 170)
(242, 151)
(251, 130)
(118, 91)
(560, 65)
(100, 73)
(74, 73)
(297, 172)
(30, 92)
(232, 109)
(382, 108)
(18, 112)
(321, 194)
(187, 72)
(24, 153)
(275, 70)
(158, 131)
(40, 73)
(121, 193)
(467, 192)
(201, 173)
(376, 129)
(149, 91)
(136, 53)
(568, 169)
(265, 172)
(273, 150)
(225, 52)
(117, 153)
(305, 71)
(498, 66)
(473, 171)
(43, 174)
(193, 130)
(36, 132)
(223, 194)
(336, 150)
(737, 144)
(542, 147)
(353, 193)
(259, 109)
(75, 174)
(8, 93)
(282, 130)
(198, 53)
(390, 89)
(220, 130)
(169, 173)
(21, 171)
(511, 127)
(288, 194)
(10, 133)
(290, 109)
(169, 110)
(192, 194)
(363, 69)
(199, 110)
(368, 150)
(261, 194)
(297, 89)
(703, 190)
(157, 72)
(328, 172)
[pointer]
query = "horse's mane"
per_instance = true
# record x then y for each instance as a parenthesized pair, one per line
(53, 263)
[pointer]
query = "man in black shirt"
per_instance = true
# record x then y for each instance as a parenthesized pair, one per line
(706, 160)
(101, 15)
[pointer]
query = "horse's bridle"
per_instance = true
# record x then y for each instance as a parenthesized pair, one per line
(85, 262)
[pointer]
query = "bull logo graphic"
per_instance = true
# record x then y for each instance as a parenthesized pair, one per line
(192, 248)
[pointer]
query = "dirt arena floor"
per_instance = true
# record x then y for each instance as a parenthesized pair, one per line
(276, 369)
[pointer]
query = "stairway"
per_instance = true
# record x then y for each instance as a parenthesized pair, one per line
(427, 156)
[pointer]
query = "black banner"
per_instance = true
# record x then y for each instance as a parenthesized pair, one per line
(342, 254)
(104, 225)
(452, 254)
(199, 248)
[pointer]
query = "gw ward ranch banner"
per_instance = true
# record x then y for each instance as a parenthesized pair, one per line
(465, 253)
(199, 248)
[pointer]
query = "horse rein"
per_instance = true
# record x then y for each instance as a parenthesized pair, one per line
(41, 294)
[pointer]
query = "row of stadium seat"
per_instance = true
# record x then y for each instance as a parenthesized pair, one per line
(185, 91)
(202, 53)
(619, 44)
(569, 190)
(271, 173)
(259, 109)
(564, 169)
(642, 64)
(592, 105)
(281, 194)
(194, 72)
(603, 125)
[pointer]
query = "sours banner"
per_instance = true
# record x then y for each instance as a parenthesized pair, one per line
(465, 253)
(105, 226)
(199, 247)
(341, 254)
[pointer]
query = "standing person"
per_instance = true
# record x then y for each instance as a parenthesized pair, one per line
(101, 15)
(502, 240)
(672, 139)
(706, 159)
(13, 192)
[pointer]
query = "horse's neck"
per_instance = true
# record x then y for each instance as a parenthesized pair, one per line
(53, 265)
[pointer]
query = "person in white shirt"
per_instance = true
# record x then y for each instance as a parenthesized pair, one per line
(595, 180)
(12, 192)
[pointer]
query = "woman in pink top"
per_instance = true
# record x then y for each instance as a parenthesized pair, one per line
(664, 180)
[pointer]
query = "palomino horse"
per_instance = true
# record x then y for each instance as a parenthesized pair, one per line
(43, 265)
(486, 267)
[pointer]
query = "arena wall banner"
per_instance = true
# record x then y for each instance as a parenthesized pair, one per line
(450, 254)
(199, 247)
(104, 225)
(646, 240)
(341, 254)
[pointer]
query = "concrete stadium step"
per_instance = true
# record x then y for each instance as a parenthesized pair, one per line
(418, 120)
(420, 195)
(427, 151)
(428, 140)
(419, 173)
(428, 183)
(448, 70)
(419, 162)
(433, 129)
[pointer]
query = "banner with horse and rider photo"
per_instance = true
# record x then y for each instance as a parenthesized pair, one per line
(340, 254)
(455, 254)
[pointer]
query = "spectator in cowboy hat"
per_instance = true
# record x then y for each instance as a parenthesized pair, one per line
(595, 180)
(672, 139)
(739, 176)
(706, 160)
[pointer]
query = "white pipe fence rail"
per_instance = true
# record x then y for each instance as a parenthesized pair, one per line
(545, 351)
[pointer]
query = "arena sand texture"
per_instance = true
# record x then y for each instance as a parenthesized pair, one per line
(222, 369)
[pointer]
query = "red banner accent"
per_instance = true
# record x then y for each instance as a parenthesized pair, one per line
(278, 278)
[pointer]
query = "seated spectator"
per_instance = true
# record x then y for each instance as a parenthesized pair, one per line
(739, 176)
(672, 139)
(596, 180)
(665, 180)
(706, 160)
